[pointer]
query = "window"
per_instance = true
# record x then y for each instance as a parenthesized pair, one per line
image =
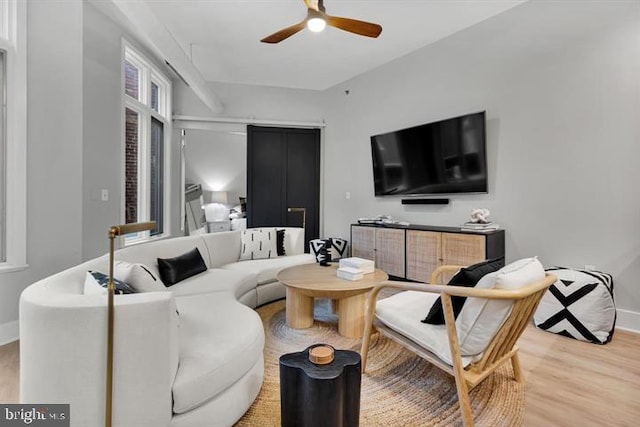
(147, 112)
(13, 135)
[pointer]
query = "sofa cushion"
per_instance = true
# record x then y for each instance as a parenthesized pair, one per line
(467, 277)
(138, 276)
(258, 243)
(148, 253)
(216, 280)
(266, 269)
(174, 270)
(402, 313)
(220, 341)
(480, 318)
(223, 247)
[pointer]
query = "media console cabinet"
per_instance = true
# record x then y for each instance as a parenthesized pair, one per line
(412, 252)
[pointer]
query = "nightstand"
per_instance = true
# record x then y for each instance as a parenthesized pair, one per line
(217, 226)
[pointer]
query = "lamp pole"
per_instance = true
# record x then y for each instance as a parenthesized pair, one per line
(116, 230)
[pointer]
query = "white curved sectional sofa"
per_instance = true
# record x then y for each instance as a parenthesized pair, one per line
(189, 356)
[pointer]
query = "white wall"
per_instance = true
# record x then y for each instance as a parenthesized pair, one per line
(217, 158)
(102, 130)
(102, 133)
(54, 151)
(253, 102)
(560, 82)
(73, 146)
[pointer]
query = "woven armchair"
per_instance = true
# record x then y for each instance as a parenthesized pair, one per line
(500, 349)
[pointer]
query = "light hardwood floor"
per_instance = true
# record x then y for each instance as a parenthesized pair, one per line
(569, 383)
(574, 383)
(9, 372)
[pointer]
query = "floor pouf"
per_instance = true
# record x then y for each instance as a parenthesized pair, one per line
(578, 305)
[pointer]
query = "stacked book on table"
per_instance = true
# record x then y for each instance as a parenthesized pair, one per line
(479, 226)
(354, 268)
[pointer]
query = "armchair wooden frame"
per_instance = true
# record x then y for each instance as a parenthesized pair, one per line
(501, 348)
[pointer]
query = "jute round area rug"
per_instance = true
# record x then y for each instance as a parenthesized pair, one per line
(398, 389)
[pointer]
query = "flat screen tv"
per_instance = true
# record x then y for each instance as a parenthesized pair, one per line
(444, 157)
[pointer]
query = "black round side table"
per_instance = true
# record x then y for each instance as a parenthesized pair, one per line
(320, 395)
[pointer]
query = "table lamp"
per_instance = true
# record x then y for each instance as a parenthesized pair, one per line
(216, 201)
(114, 231)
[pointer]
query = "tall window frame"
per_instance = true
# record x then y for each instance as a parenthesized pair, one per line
(146, 135)
(13, 131)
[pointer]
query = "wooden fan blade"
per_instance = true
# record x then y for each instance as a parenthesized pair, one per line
(285, 33)
(313, 4)
(363, 28)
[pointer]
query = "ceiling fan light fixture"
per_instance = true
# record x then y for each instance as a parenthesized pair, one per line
(317, 20)
(316, 24)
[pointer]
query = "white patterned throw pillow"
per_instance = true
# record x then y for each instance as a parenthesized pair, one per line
(138, 276)
(98, 283)
(336, 248)
(258, 243)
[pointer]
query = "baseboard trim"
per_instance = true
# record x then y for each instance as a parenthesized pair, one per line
(9, 332)
(628, 320)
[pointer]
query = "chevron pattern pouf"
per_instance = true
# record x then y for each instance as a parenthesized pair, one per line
(578, 305)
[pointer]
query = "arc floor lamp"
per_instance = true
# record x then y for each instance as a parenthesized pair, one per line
(115, 231)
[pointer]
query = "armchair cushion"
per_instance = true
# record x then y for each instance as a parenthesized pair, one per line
(480, 319)
(401, 313)
(467, 277)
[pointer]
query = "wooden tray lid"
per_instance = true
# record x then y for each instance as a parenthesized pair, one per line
(321, 355)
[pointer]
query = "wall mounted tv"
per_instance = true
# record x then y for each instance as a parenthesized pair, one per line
(444, 157)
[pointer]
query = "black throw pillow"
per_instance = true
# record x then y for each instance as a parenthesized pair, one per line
(280, 242)
(174, 270)
(467, 277)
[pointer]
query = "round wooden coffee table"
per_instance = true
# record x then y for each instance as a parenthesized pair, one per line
(309, 281)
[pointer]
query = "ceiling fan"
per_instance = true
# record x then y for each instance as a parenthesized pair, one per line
(317, 20)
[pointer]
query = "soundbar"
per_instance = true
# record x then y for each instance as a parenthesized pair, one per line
(425, 201)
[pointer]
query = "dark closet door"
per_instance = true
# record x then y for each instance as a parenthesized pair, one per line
(283, 171)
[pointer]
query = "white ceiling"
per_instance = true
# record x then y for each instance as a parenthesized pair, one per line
(222, 37)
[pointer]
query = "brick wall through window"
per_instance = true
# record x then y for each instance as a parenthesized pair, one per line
(131, 166)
